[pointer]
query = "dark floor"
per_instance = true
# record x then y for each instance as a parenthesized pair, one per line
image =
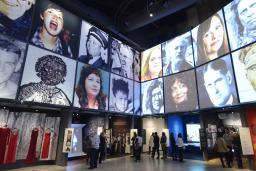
(127, 164)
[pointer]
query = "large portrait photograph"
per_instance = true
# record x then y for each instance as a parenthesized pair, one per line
(47, 78)
(94, 45)
(121, 58)
(121, 94)
(180, 92)
(216, 84)
(136, 101)
(55, 29)
(11, 62)
(241, 22)
(210, 39)
(16, 17)
(152, 97)
(177, 54)
(92, 86)
(151, 63)
(136, 66)
(244, 61)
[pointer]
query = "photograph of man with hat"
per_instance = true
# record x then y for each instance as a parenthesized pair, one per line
(93, 46)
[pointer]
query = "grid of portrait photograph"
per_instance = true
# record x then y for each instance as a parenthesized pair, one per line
(46, 61)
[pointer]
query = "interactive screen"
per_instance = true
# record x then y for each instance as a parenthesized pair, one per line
(121, 59)
(11, 60)
(47, 78)
(55, 29)
(136, 101)
(193, 132)
(210, 39)
(177, 54)
(94, 46)
(151, 61)
(180, 92)
(241, 22)
(121, 94)
(92, 86)
(244, 62)
(152, 97)
(136, 66)
(16, 18)
(77, 145)
(216, 84)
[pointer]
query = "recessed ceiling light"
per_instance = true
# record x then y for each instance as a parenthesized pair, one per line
(151, 14)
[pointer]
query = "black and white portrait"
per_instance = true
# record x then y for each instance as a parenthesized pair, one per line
(136, 101)
(16, 17)
(11, 60)
(177, 54)
(56, 29)
(244, 61)
(47, 78)
(180, 92)
(136, 66)
(241, 22)
(94, 46)
(121, 94)
(216, 84)
(152, 97)
(121, 58)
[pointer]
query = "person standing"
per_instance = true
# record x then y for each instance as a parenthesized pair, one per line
(87, 145)
(95, 151)
(102, 147)
(237, 149)
(173, 146)
(180, 147)
(164, 145)
(133, 143)
(222, 150)
(156, 146)
(150, 144)
(228, 138)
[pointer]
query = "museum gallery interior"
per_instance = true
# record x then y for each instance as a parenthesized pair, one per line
(70, 70)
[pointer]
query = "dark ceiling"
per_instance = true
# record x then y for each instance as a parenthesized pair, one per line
(129, 20)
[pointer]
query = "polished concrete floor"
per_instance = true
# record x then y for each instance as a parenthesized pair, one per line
(147, 164)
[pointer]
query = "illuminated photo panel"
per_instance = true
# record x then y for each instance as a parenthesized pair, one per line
(16, 17)
(151, 63)
(121, 94)
(121, 58)
(210, 39)
(92, 86)
(56, 29)
(136, 66)
(244, 62)
(216, 84)
(241, 22)
(11, 61)
(47, 78)
(136, 101)
(152, 97)
(180, 92)
(177, 54)
(94, 45)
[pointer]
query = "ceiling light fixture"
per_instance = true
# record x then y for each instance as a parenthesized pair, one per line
(151, 14)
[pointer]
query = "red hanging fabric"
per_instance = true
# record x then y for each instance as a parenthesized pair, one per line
(12, 146)
(31, 156)
(4, 136)
(46, 145)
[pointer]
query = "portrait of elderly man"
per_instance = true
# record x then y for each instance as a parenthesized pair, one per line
(15, 17)
(11, 59)
(122, 59)
(52, 71)
(218, 82)
(175, 55)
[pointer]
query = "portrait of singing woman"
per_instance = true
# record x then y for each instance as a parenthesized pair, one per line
(89, 89)
(211, 39)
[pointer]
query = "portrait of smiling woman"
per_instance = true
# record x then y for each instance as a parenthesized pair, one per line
(211, 39)
(180, 92)
(89, 89)
(152, 63)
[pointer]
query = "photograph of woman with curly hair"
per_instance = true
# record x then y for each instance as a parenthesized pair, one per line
(180, 92)
(91, 91)
(211, 39)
